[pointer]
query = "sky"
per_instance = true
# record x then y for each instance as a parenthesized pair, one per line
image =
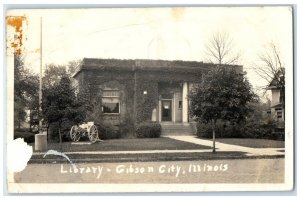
(154, 33)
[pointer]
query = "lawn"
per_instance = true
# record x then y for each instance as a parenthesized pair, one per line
(253, 143)
(134, 144)
(139, 157)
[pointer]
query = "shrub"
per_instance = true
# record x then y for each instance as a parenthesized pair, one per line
(108, 131)
(22, 129)
(223, 129)
(148, 130)
(28, 136)
(204, 130)
(248, 129)
(65, 131)
(127, 127)
(105, 131)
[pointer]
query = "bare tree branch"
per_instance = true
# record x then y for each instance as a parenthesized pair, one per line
(220, 49)
(271, 67)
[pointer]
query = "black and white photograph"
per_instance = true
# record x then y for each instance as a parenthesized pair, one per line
(150, 99)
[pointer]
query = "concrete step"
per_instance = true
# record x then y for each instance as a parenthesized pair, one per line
(176, 129)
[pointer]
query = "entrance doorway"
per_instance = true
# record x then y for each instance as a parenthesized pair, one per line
(166, 110)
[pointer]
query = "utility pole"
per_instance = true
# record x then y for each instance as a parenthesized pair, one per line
(40, 139)
(135, 97)
(41, 75)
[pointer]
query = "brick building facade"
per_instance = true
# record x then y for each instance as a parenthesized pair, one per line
(134, 91)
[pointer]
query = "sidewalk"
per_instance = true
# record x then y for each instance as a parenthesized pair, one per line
(223, 151)
(229, 147)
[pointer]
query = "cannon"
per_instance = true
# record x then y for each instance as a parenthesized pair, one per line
(88, 129)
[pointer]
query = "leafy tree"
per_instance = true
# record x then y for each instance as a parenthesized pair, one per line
(60, 104)
(222, 95)
(220, 49)
(73, 66)
(52, 77)
(53, 74)
(25, 91)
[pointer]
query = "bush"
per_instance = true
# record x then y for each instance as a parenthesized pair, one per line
(127, 127)
(148, 130)
(65, 131)
(22, 129)
(108, 131)
(204, 130)
(249, 129)
(28, 136)
(105, 131)
(223, 129)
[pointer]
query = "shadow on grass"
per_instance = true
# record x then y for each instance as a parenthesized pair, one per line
(135, 144)
(250, 142)
(149, 157)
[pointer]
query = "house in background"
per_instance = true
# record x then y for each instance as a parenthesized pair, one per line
(277, 101)
(31, 121)
(135, 91)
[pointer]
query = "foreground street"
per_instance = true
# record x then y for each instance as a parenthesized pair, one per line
(210, 171)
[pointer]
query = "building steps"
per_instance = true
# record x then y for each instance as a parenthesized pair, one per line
(176, 129)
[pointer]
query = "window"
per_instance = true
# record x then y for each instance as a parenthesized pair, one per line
(180, 105)
(279, 115)
(110, 102)
(110, 93)
(75, 85)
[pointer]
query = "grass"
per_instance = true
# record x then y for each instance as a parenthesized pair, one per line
(140, 144)
(139, 157)
(253, 143)
(134, 144)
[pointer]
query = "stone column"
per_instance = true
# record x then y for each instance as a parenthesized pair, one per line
(185, 91)
(159, 110)
(173, 108)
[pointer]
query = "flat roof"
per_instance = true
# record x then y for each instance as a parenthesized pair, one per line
(145, 65)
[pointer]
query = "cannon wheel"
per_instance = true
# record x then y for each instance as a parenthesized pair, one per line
(75, 133)
(93, 134)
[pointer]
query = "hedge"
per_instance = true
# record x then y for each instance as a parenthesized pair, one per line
(148, 130)
(108, 131)
(23, 133)
(242, 130)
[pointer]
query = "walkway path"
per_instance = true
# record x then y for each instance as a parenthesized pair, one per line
(229, 147)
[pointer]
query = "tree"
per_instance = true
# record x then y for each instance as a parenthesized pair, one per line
(60, 104)
(53, 74)
(52, 78)
(220, 49)
(223, 94)
(25, 91)
(272, 69)
(73, 66)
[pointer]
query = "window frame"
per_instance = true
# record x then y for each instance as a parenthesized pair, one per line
(279, 115)
(117, 97)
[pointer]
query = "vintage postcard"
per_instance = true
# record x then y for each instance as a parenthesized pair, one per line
(156, 99)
